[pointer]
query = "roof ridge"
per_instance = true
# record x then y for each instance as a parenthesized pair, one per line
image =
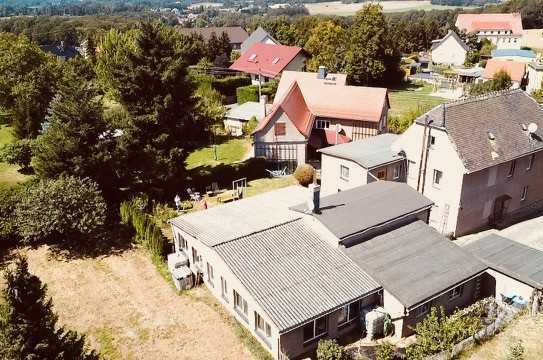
(486, 96)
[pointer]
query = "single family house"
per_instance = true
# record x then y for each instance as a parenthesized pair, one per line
(450, 50)
(515, 69)
(479, 160)
(237, 116)
(264, 62)
(258, 36)
(503, 30)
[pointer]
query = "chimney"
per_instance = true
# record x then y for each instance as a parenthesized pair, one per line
(315, 193)
(322, 73)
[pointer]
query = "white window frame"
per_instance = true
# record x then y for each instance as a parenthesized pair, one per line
(342, 169)
(315, 335)
(240, 305)
(396, 172)
(348, 317)
(210, 275)
(531, 161)
(435, 177)
(182, 242)
(524, 193)
(512, 166)
(224, 289)
(322, 124)
(265, 329)
(456, 292)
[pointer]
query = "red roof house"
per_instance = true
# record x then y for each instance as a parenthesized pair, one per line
(269, 60)
(515, 69)
(481, 22)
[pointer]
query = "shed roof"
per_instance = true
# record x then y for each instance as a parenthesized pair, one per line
(515, 69)
(516, 260)
(368, 153)
(468, 122)
(256, 36)
(529, 54)
(236, 34)
(266, 59)
(355, 210)
(247, 110)
(294, 274)
(230, 221)
(414, 262)
(476, 22)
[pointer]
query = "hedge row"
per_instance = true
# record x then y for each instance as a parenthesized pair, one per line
(148, 233)
(250, 93)
(227, 86)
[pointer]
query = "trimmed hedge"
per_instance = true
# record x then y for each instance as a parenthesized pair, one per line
(227, 86)
(148, 233)
(250, 93)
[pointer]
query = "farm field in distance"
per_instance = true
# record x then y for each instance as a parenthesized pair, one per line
(341, 9)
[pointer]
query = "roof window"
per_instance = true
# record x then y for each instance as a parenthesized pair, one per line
(275, 60)
(252, 57)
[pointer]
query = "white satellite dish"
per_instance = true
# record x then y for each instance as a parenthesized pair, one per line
(338, 128)
(532, 128)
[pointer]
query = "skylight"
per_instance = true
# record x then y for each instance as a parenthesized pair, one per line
(276, 60)
(252, 57)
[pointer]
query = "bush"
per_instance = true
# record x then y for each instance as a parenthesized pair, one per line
(18, 153)
(399, 123)
(8, 202)
(304, 174)
(227, 86)
(385, 351)
(250, 93)
(250, 126)
(65, 207)
(516, 351)
(330, 350)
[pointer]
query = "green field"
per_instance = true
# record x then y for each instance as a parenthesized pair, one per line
(228, 152)
(9, 174)
(412, 96)
(340, 9)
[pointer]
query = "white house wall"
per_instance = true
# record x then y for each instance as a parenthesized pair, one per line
(331, 180)
(508, 285)
(296, 64)
(535, 77)
(449, 52)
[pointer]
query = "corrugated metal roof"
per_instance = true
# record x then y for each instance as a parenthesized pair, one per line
(414, 262)
(516, 260)
(368, 153)
(356, 210)
(241, 218)
(513, 52)
(294, 274)
(247, 110)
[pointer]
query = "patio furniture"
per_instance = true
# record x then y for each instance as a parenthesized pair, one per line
(194, 195)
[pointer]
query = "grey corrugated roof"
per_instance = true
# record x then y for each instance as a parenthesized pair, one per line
(414, 262)
(240, 218)
(468, 122)
(436, 43)
(294, 274)
(247, 110)
(356, 210)
(368, 153)
(256, 36)
(509, 257)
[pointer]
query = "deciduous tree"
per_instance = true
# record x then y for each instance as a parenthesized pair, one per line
(327, 44)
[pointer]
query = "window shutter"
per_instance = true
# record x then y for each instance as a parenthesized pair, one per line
(280, 129)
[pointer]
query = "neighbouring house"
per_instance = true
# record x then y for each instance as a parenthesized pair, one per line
(236, 34)
(360, 162)
(514, 270)
(503, 30)
(265, 62)
(419, 269)
(450, 50)
(535, 77)
(238, 116)
(258, 36)
(515, 69)
(61, 51)
(478, 159)
(312, 115)
(308, 79)
(520, 55)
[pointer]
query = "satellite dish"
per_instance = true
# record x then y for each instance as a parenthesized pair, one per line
(532, 128)
(338, 128)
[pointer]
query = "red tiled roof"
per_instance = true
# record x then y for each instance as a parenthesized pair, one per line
(266, 59)
(476, 22)
(331, 138)
(515, 69)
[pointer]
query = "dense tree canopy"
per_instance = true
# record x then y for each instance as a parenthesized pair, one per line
(327, 45)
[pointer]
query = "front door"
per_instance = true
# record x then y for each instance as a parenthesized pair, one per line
(500, 207)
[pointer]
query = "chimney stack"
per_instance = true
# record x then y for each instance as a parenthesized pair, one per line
(315, 192)
(322, 73)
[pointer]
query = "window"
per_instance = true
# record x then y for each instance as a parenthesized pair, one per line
(344, 172)
(240, 304)
(280, 129)
(438, 175)
(194, 255)
(252, 57)
(456, 292)
(210, 275)
(381, 174)
(512, 168)
(422, 310)
(261, 325)
(224, 289)
(348, 313)
(524, 193)
(322, 124)
(315, 329)
(275, 60)
(531, 162)
(181, 242)
(396, 172)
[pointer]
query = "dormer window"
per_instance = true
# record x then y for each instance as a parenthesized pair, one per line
(276, 60)
(252, 57)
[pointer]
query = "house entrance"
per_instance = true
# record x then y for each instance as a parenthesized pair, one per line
(500, 207)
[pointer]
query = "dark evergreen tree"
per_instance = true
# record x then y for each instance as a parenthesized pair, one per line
(28, 325)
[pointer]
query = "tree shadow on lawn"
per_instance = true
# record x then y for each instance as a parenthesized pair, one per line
(406, 86)
(113, 239)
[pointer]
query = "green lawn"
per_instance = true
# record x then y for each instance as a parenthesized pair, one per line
(412, 96)
(228, 152)
(263, 185)
(9, 174)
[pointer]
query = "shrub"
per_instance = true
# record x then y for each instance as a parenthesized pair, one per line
(397, 124)
(250, 93)
(516, 351)
(8, 202)
(250, 126)
(64, 207)
(18, 153)
(330, 350)
(227, 86)
(304, 174)
(385, 351)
